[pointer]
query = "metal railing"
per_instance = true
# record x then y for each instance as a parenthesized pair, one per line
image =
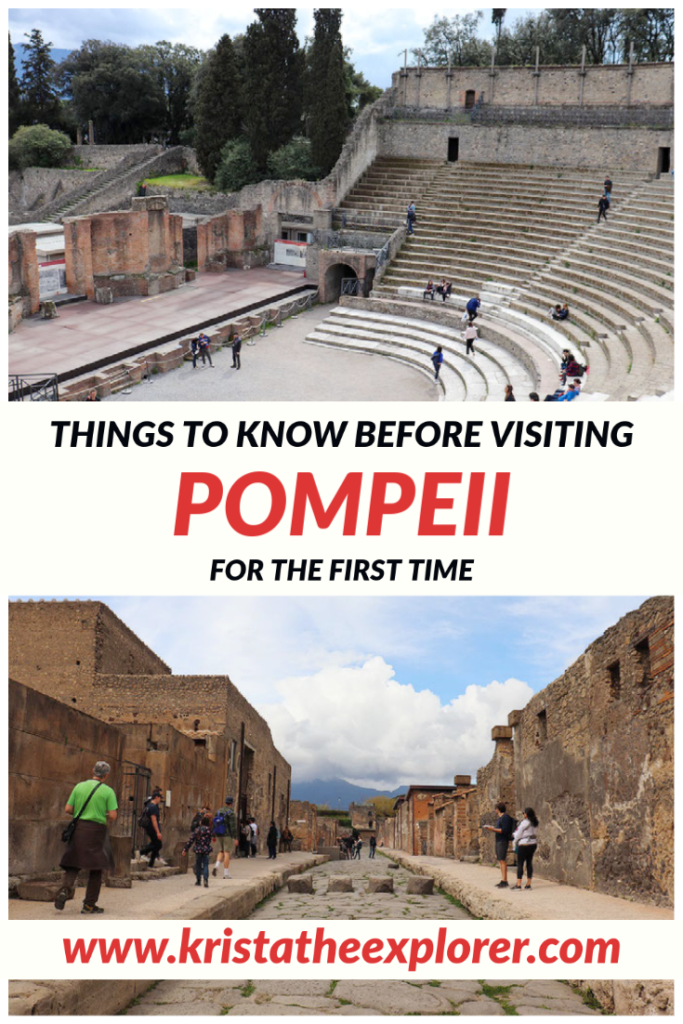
(349, 286)
(274, 317)
(33, 387)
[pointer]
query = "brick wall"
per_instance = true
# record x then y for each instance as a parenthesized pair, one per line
(495, 784)
(303, 823)
(24, 286)
(233, 239)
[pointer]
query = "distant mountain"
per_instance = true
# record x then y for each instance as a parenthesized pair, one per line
(57, 56)
(338, 793)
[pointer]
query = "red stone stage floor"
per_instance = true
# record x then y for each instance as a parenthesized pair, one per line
(87, 335)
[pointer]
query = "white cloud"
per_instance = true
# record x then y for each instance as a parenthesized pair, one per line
(362, 724)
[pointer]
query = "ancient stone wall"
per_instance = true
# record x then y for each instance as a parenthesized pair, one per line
(594, 758)
(52, 746)
(303, 824)
(24, 285)
(109, 157)
(627, 149)
(415, 829)
(496, 784)
(33, 187)
(233, 239)
(132, 252)
(603, 84)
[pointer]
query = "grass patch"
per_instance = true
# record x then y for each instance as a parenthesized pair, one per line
(248, 989)
(499, 994)
(196, 181)
(333, 985)
(457, 903)
(590, 999)
(434, 984)
(344, 1002)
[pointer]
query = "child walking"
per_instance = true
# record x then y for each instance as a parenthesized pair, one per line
(201, 838)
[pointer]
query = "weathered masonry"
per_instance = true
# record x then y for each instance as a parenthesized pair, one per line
(592, 753)
(95, 686)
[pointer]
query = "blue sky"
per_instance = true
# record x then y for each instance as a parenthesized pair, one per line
(375, 34)
(379, 691)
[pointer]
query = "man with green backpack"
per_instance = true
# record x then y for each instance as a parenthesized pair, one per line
(225, 835)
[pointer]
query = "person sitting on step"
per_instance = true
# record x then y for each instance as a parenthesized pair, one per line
(429, 291)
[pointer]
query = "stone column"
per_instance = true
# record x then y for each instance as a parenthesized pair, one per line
(79, 136)
(120, 878)
(91, 133)
(537, 75)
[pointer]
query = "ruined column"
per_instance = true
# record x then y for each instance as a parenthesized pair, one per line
(537, 75)
(630, 73)
(582, 75)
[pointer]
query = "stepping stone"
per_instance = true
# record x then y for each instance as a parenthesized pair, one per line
(340, 883)
(380, 883)
(393, 867)
(481, 1008)
(41, 892)
(300, 883)
(285, 987)
(419, 885)
(393, 997)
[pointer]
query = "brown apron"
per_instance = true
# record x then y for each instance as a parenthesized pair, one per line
(89, 849)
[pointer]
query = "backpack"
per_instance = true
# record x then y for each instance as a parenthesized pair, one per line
(220, 827)
(144, 821)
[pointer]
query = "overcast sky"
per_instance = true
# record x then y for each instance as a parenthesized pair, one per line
(376, 34)
(379, 691)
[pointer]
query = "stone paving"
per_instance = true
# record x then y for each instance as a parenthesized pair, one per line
(361, 998)
(359, 904)
(282, 367)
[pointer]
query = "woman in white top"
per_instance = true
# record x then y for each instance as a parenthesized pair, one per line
(525, 839)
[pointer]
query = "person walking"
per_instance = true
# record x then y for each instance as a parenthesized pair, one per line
(437, 362)
(607, 186)
(411, 217)
(92, 805)
(149, 820)
(525, 837)
(373, 847)
(225, 834)
(287, 839)
(503, 828)
(194, 349)
(603, 207)
(236, 349)
(253, 837)
(245, 839)
(473, 307)
(357, 848)
(509, 394)
(201, 839)
(203, 343)
(470, 337)
(272, 838)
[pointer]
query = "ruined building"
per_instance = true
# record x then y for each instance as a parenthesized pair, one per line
(592, 753)
(85, 687)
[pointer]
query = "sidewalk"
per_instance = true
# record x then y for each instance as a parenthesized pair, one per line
(474, 885)
(177, 898)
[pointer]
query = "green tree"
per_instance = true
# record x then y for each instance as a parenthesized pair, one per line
(651, 30)
(37, 81)
(218, 106)
(326, 99)
(174, 66)
(273, 81)
(383, 805)
(455, 38)
(359, 92)
(497, 16)
(237, 167)
(114, 86)
(37, 145)
(293, 160)
(13, 92)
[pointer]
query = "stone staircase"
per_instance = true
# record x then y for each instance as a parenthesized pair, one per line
(526, 238)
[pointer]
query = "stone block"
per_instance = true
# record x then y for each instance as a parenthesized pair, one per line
(178, 860)
(380, 883)
(300, 883)
(340, 883)
(420, 885)
(104, 296)
(40, 892)
(48, 310)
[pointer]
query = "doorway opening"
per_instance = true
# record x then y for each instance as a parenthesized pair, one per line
(470, 99)
(664, 160)
(453, 149)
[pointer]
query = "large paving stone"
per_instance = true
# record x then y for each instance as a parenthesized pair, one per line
(177, 1010)
(355, 1011)
(309, 1002)
(380, 883)
(460, 991)
(285, 987)
(420, 885)
(300, 883)
(553, 989)
(481, 1008)
(42, 892)
(249, 1009)
(392, 997)
(340, 883)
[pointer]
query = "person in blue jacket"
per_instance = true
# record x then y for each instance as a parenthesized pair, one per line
(437, 360)
(570, 394)
(473, 308)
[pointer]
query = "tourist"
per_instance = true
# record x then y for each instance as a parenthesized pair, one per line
(253, 836)
(225, 833)
(358, 846)
(447, 291)
(441, 289)
(470, 337)
(411, 217)
(287, 839)
(272, 839)
(197, 820)
(472, 308)
(603, 207)
(429, 291)
(533, 396)
(349, 841)
(92, 396)
(92, 804)
(194, 349)
(201, 839)
(509, 394)
(236, 347)
(245, 839)
(503, 828)
(203, 342)
(373, 847)
(150, 823)
(437, 361)
(569, 394)
(607, 186)
(526, 841)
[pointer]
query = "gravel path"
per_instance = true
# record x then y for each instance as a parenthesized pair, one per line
(360, 998)
(282, 367)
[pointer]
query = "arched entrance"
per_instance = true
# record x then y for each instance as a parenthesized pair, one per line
(334, 276)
